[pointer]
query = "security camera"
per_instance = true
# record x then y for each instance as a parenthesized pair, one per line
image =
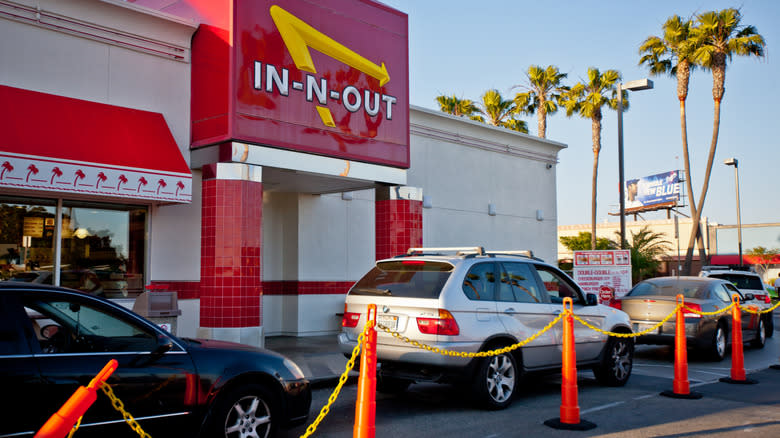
(548, 165)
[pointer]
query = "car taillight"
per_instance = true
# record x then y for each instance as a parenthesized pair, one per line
(445, 324)
(350, 319)
(616, 304)
(766, 299)
(691, 306)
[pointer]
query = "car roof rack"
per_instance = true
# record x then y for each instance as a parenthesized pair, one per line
(470, 251)
(526, 253)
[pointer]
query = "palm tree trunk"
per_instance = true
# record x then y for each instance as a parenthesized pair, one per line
(541, 115)
(596, 135)
(689, 186)
(718, 79)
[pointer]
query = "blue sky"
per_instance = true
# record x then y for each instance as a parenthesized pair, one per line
(467, 47)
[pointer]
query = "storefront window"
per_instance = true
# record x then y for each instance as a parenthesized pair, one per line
(102, 250)
(27, 239)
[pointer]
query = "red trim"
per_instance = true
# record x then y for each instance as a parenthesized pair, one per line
(733, 259)
(191, 289)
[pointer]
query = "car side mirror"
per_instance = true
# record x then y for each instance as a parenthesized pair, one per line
(749, 297)
(591, 299)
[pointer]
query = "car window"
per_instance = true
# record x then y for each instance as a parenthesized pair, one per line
(732, 290)
(722, 293)
(741, 281)
(12, 340)
(480, 282)
(404, 278)
(688, 289)
(557, 285)
(70, 325)
(518, 284)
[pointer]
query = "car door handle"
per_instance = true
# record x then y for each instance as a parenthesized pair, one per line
(509, 310)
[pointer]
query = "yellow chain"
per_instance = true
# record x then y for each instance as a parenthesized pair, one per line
(119, 406)
(496, 352)
(748, 309)
(350, 364)
(717, 312)
(628, 335)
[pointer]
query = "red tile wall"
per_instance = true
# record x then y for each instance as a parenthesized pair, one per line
(231, 252)
(191, 289)
(183, 289)
(398, 226)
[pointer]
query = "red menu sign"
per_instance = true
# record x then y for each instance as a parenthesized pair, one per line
(604, 273)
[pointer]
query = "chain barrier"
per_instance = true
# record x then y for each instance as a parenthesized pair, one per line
(342, 379)
(496, 352)
(120, 407)
(756, 312)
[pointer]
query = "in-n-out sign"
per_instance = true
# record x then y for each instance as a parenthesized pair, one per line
(298, 37)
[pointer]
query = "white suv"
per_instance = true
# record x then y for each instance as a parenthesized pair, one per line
(469, 299)
(747, 282)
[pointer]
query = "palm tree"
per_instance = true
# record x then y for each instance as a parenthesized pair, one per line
(646, 247)
(543, 92)
(500, 112)
(587, 100)
(720, 35)
(671, 54)
(456, 106)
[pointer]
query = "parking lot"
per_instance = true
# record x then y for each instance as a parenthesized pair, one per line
(636, 410)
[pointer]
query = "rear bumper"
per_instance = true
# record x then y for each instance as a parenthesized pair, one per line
(698, 334)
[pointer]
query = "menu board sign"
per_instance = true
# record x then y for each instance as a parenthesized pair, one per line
(604, 273)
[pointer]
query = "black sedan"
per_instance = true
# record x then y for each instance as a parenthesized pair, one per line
(53, 340)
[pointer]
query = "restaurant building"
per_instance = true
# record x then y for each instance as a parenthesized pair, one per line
(256, 157)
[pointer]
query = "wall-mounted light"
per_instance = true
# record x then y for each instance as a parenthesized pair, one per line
(81, 233)
(347, 196)
(492, 209)
(427, 203)
(539, 215)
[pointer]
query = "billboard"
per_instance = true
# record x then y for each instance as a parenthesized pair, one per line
(653, 191)
(605, 273)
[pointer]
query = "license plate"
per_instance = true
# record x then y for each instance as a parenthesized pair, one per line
(388, 321)
(642, 327)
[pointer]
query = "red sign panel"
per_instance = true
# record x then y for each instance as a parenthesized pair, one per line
(327, 77)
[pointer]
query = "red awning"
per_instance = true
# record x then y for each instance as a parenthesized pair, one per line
(56, 143)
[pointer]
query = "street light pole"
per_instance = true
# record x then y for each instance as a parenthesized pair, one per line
(734, 162)
(637, 85)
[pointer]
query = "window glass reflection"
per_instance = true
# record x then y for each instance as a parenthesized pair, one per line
(27, 239)
(103, 248)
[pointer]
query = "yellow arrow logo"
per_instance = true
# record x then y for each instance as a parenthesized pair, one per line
(299, 36)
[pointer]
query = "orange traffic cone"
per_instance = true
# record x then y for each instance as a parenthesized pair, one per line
(570, 410)
(63, 420)
(737, 356)
(365, 408)
(680, 387)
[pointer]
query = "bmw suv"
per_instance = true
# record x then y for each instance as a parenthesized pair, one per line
(472, 300)
(747, 282)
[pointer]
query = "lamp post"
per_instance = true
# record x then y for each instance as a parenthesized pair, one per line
(637, 85)
(734, 162)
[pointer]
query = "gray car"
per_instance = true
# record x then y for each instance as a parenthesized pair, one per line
(650, 301)
(472, 300)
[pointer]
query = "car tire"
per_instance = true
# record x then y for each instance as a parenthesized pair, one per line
(249, 410)
(615, 367)
(717, 350)
(760, 339)
(770, 325)
(495, 382)
(391, 385)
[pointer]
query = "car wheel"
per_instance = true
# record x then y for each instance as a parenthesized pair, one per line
(391, 385)
(248, 411)
(615, 367)
(496, 380)
(760, 339)
(718, 348)
(770, 325)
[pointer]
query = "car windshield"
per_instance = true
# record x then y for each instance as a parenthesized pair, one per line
(404, 278)
(741, 281)
(687, 289)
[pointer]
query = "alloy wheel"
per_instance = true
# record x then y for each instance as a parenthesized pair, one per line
(501, 378)
(249, 417)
